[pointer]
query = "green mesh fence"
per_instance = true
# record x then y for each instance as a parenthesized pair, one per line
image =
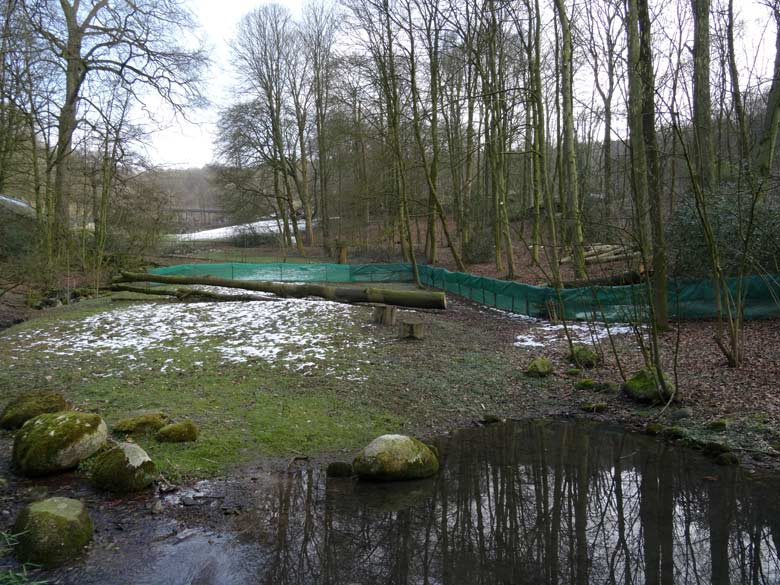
(687, 299)
(283, 272)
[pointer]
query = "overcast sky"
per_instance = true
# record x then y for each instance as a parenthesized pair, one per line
(190, 144)
(185, 144)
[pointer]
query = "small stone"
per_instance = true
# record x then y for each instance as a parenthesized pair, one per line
(654, 428)
(539, 367)
(491, 419)
(339, 469)
(157, 507)
(727, 458)
(584, 356)
(586, 384)
(58, 441)
(395, 457)
(188, 501)
(720, 424)
(52, 532)
(27, 406)
(573, 372)
(123, 468)
(680, 414)
(675, 433)
(644, 386)
(594, 407)
(180, 432)
(144, 422)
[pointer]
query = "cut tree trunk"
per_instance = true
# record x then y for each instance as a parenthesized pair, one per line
(192, 295)
(411, 330)
(402, 298)
(385, 315)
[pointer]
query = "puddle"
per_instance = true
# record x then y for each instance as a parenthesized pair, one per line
(555, 502)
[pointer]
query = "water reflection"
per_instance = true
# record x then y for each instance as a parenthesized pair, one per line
(528, 503)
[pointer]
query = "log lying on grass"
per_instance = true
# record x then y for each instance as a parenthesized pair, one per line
(402, 298)
(191, 295)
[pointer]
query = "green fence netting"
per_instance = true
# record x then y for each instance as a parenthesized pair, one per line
(687, 299)
(284, 272)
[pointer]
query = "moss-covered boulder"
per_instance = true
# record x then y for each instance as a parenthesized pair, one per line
(180, 432)
(27, 406)
(594, 407)
(586, 384)
(123, 468)
(584, 356)
(395, 457)
(144, 422)
(54, 442)
(539, 367)
(52, 532)
(644, 386)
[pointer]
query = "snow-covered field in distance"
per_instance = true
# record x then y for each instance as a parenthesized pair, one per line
(263, 226)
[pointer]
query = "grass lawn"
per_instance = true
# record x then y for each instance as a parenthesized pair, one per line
(260, 379)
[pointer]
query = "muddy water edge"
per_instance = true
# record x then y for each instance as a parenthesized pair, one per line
(520, 502)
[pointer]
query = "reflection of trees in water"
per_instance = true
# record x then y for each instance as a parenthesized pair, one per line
(532, 503)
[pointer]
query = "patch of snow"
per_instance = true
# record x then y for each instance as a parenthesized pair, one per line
(264, 226)
(543, 333)
(296, 334)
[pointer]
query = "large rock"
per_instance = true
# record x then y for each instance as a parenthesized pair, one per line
(123, 468)
(584, 356)
(180, 432)
(58, 441)
(539, 367)
(144, 422)
(395, 457)
(27, 406)
(644, 386)
(52, 532)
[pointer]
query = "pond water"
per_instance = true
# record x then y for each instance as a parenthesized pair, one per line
(552, 502)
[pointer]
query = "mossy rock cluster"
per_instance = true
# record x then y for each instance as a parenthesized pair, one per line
(394, 458)
(586, 384)
(52, 532)
(123, 468)
(644, 386)
(584, 356)
(27, 406)
(54, 442)
(540, 367)
(180, 432)
(146, 422)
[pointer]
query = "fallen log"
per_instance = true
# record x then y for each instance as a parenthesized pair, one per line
(192, 295)
(403, 298)
(613, 258)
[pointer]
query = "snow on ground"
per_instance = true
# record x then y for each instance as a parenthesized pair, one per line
(541, 333)
(544, 333)
(301, 335)
(264, 226)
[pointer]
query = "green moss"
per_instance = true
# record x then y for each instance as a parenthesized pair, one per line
(586, 384)
(720, 424)
(727, 458)
(58, 441)
(594, 407)
(148, 422)
(395, 457)
(645, 387)
(52, 532)
(573, 372)
(123, 468)
(539, 367)
(654, 428)
(181, 432)
(584, 356)
(30, 405)
(675, 433)
(339, 469)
